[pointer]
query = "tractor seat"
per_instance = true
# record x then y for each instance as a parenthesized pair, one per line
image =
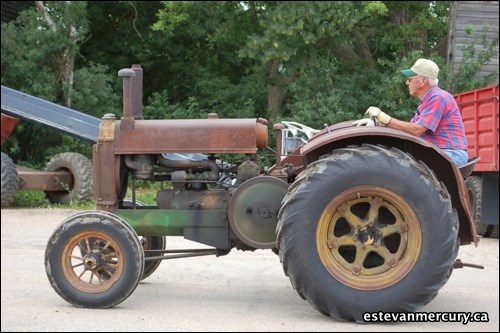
(466, 169)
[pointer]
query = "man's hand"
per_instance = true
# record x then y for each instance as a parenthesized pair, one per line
(364, 122)
(383, 118)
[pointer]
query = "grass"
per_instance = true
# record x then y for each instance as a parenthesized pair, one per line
(37, 199)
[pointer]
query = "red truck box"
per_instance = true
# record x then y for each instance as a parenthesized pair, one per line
(479, 110)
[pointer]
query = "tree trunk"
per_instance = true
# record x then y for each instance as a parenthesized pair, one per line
(66, 60)
(67, 73)
(275, 92)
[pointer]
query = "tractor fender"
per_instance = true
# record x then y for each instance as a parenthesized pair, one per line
(345, 134)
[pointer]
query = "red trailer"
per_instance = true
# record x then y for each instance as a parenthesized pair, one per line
(479, 110)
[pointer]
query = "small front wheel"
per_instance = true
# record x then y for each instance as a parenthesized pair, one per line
(94, 260)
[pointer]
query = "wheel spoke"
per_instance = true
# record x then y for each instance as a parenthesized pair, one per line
(354, 221)
(109, 256)
(335, 242)
(372, 215)
(108, 243)
(81, 274)
(361, 253)
(393, 229)
(383, 252)
(77, 265)
(88, 245)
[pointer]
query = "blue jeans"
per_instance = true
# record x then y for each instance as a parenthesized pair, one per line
(459, 157)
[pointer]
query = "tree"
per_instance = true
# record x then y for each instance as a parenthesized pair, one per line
(331, 57)
(63, 21)
(38, 58)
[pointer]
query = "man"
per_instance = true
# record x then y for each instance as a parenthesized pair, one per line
(437, 118)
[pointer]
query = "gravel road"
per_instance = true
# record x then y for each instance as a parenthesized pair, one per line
(243, 291)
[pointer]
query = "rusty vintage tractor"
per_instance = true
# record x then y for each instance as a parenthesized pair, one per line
(363, 218)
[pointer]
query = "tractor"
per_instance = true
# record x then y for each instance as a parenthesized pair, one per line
(363, 219)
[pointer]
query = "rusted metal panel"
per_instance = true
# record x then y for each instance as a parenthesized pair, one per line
(34, 180)
(192, 136)
(106, 176)
(137, 92)
(8, 125)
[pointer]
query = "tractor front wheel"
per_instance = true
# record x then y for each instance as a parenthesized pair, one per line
(94, 260)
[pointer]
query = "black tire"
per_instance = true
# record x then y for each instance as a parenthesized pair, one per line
(80, 169)
(367, 229)
(152, 243)
(94, 260)
(474, 185)
(9, 180)
(493, 231)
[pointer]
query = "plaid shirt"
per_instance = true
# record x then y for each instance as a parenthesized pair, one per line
(438, 112)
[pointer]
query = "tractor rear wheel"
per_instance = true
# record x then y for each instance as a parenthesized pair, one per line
(367, 229)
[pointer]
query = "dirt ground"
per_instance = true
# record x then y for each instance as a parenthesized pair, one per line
(243, 291)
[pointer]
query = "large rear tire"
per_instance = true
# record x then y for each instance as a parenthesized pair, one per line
(9, 180)
(80, 169)
(367, 229)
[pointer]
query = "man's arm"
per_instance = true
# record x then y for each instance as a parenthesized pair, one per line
(407, 127)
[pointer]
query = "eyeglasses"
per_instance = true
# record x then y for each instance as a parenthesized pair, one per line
(412, 78)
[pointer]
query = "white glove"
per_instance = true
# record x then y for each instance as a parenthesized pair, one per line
(364, 122)
(383, 118)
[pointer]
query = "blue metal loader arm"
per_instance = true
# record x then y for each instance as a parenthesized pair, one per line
(20, 105)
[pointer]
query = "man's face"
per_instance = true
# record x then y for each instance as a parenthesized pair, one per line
(415, 84)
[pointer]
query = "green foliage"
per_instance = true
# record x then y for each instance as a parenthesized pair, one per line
(312, 62)
(146, 190)
(35, 52)
(93, 91)
(29, 199)
(37, 199)
(26, 60)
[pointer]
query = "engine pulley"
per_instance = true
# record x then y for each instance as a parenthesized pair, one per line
(253, 211)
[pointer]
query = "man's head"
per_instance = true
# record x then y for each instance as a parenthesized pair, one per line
(423, 67)
(421, 77)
